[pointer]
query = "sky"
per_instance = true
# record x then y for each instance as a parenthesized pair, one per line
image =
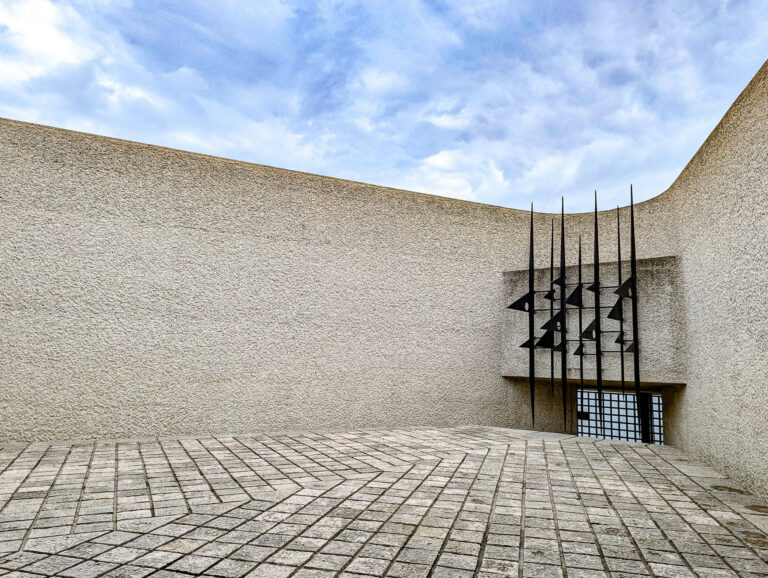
(498, 102)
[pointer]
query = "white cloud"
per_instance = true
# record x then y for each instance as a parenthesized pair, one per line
(454, 174)
(118, 94)
(38, 37)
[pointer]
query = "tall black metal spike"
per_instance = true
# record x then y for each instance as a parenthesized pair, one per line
(580, 349)
(531, 315)
(620, 302)
(563, 329)
(551, 303)
(598, 342)
(643, 400)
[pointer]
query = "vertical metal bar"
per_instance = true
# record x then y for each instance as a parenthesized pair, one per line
(580, 400)
(581, 341)
(621, 302)
(598, 332)
(563, 335)
(552, 303)
(643, 404)
(531, 314)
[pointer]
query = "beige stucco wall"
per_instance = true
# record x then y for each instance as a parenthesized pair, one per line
(148, 291)
(721, 206)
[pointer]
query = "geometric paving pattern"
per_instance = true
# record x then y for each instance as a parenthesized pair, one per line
(464, 501)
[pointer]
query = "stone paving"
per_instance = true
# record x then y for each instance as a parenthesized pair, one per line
(464, 501)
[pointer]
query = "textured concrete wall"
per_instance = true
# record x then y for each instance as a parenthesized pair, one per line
(152, 291)
(721, 206)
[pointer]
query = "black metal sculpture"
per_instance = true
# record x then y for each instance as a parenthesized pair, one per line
(593, 332)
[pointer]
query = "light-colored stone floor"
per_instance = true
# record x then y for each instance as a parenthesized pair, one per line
(465, 501)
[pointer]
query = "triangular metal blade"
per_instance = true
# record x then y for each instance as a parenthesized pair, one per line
(554, 324)
(528, 344)
(589, 331)
(616, 311)
(630, 348)
(576, 298)
(558, 281)
(625, 289)
(620, 338)
(523, 303)
(592, 287)
(547, 340)
(580, 350)
(550, 295)
(560, 346)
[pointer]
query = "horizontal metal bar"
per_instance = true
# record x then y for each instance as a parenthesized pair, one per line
(605, 351)
(585, 284)
(590, 340)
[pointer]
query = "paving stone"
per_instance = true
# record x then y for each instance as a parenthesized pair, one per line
(271, 571)
(193, 564)
(368, 566)
(52, 565)
(156, 559)
(88, 569)
(252, 553)
(121, 555)
(289, 557)
(231, 568)
(129, 571)
(328, 562)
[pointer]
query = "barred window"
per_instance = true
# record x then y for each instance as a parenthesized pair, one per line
(619, 416)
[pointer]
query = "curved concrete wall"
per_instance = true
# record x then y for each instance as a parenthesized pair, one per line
(148, 291)
(720, 204)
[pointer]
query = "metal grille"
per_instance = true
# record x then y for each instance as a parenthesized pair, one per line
(619, 416)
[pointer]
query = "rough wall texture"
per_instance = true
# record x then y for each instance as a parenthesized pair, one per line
(152, 291)
(721, 206)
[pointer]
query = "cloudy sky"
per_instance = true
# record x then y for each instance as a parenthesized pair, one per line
(490, 101)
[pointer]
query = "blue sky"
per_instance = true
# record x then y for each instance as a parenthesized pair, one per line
(497, 102)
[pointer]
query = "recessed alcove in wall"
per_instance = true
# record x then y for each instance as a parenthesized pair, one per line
(661, 329)
(661, 326)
